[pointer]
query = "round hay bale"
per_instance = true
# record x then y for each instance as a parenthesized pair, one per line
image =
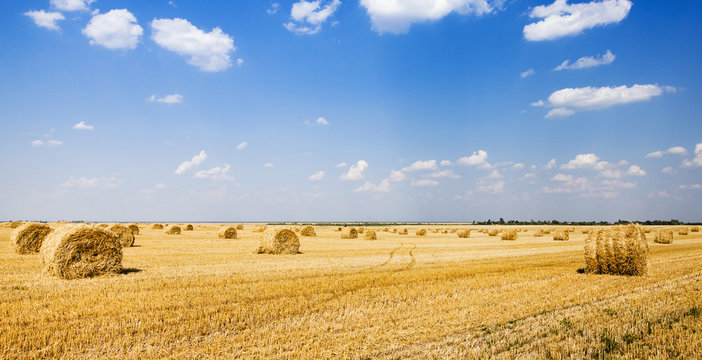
(260, 229)
(297, 229)
(493, 232)
(15, 224)
(361, 230)
(173, 230)
(79, 251)
(547, 231)
(403, 232)
(538, 233)
(227, 233)
(279, 241)
(370, 235)
(664, 237)
(421, 232)
(349, 233)
(682, 231)
(157, 227)
(464, 234)
(509, 234)
(561, 235)
(308, 231)
(618, 250)
(240, 227)
(125, 236)
(394, 231)
(189, 227)
(695, 229)
(134, 228)
(27, 238)
(338, 229)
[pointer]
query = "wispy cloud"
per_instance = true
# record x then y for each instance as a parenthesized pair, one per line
(587, 62)
(167, 99)
(194, 162)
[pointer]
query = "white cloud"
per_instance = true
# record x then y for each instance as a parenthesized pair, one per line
(634, 170)
(83, 126)
(446, 163)
(239, 62)
(268, 165)
(92, 183)
(37, 143)
(697, 160)
(539, 103)
(526, 73)
(493, 188)
(569, 185)
(448, 174)
(495, 175)
(48, 143)
(384, 186)
(611, 173)
(478, 158)
(320, 121)
(518, 166)
(551, 164)
(587, 62)
(567, 101)
(242, 145)
(209, 51)
(195, 161)
(216, 173)
(316, 176)
(116, 29)
(610, 185)
(675, 150)
(421, 165)
(396, 176)
(341, 164)
(562, 177)
(273, 9)
(45, 19)
(562, 19)
(655, 154)
(667, 170)
(355, 172)
(424, 182)
(582, 161)
(690, 187)
(397, 16)
(167, 99)
(307, 17)
(72, 5)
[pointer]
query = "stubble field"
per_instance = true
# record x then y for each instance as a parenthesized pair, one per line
(194, 296)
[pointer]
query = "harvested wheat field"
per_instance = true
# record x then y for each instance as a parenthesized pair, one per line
(434, 296)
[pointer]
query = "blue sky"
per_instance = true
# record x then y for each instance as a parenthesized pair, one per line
(350, 110)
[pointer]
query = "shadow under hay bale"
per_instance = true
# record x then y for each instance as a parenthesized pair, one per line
(509, 234)
(227, 233)
(308, 231)
(349, 233)
(27, 238)
(664, 237)
(79, 251)
(618, 250)
(464, 233)
(125, 235)
(279, 241)
(370, 235)
(561, 235)
(174, 230)
(134, 228)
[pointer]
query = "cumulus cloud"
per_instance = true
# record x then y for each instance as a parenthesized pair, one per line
(316, 176)
(72, 5)
(195, 161)
(675, 150)
(562, 19)
(355, 172)
(45, 19)
(421, 165)
(494, 175)
(424, 182)
(397, 176)
(397, 16)
(518, 166)
(383, 186)
(584, 161)
(83, 126)
(307, 17)
(697, 160)
(242, 145)
(667, 170)
(446, 163)
(116, 29)
(478, 158)
(566, 102)
(320, 121)
(216, 173)
(551, 164)
(562, 177)
(167, 99)
(526, 73)
(209, 51)
(635, 170)
(92, 183)
(448, 174)
(587, 62)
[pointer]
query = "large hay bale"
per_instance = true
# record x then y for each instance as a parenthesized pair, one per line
(157, 227)
(240, 227)
(279, 241)
(664, 237)
(695, 229)
(125, 236)
(421, 232)
(134, 228)
(349, 233)
(464, 233)
(370, 235)
(173, 230)
(227, 233)
(403, 232)
(538, 233)
(308, 231)
(682, 231)
(561, 235)
(78, 251)
(493, 232)
(509, 234)
(189, 227)
(27, 238)
(618, 250)
(15, 224)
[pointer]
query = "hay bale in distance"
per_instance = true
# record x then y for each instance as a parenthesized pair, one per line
(493, 232)
(421, 232)
(538, 233)
(240, 227)
(349, 233)
(561, 235)
(338, 229)
(695, 229)
(308, 231)
(664, 237)
(682, 231)
(403, 232)
(27, 238)
(15, 224)
(370, 235)
(618, 250)
(463, 233)
(260, 229)
(173, 230)
(279, 241)
(125, 236)
(189, 227)
(78, 251)
(509, 234)
(227, 233)
(157, 227)
(134, 228)
(547, 231)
